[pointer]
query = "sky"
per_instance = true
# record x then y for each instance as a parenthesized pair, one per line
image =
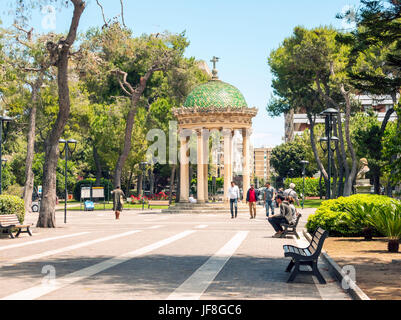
(241, 33)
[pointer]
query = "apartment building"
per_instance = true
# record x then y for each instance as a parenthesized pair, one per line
(297, 122)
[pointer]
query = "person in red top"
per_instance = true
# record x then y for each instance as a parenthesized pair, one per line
(251, 198)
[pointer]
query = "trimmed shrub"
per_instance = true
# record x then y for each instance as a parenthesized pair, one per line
(333, 215)
(12, 205)
(15, 190)
(312, 188)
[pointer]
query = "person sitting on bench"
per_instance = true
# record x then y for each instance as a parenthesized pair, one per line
(294, 211)
(285, 216)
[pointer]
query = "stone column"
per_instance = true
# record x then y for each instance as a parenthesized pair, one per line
(206, 165)
(184, 169)
(246, 162)
(201, 174)
(227, 161)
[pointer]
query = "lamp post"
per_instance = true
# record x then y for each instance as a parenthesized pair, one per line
(143, 166)
(3, 119)
(304, 164)
(69, 146)
(289, 174)
(329, 115)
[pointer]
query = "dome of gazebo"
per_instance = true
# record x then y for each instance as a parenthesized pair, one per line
(215, 94)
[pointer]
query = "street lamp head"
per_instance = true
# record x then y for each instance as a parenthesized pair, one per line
(72, 145)
(304, 162)
(329, 111)
(64, 143)
(323, 143)
(143, 165)
(6, 119)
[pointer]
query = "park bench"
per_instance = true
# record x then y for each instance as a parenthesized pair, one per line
(291, 228)
(10, 222)
(158, 203)
(306, 256)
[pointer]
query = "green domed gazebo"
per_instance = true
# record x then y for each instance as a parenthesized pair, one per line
(215, 94)
(213, 106)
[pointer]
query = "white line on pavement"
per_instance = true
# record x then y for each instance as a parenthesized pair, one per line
(46, 288)
(41, 241)
(73, 247)
(197, 283)
(154, 227)
(202, 226)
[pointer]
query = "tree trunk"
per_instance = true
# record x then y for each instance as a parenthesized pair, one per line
(346, 170)
(314, 148)
(320, 186)
(98, 166)
(30, 152)
(139, 187)
(151, 182)
(135, 96)
(127, 190)
(335, 177)
(340, 170)
(394, 157)
(354, 170)
(60, 53)
(48, 204)
(127, 144)
(376, 183)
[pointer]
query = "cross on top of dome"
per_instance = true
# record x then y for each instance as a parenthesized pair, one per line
(214, 71)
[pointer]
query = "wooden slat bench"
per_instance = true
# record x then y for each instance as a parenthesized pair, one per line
(9, 222)
(306, 256)
(291, 229)
(158, 203)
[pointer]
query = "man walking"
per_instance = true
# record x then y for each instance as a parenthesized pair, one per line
(285, 216)
(118, 201)
(291, 193)
(269, 197)
(251, 198)
(233, 196)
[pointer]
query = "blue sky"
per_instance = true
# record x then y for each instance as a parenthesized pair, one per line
(241, 33)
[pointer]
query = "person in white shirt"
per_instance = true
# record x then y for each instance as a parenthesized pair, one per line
(192, 199)
(291, 193)
(233, 196)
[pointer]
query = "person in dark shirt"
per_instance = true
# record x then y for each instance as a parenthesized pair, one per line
(285, 216)
(118, 201)
(251, 198)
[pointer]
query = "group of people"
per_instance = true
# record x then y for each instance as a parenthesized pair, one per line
(284, 200)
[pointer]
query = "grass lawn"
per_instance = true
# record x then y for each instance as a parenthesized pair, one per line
(311, 203)
(99, 207)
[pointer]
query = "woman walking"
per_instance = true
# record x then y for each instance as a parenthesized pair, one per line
(118, 201)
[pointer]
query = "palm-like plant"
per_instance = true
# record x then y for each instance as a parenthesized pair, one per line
(387, 220)
(357, 218)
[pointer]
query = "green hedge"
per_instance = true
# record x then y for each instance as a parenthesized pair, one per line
(12, 205)
(88, 182)
(331, 215)
(311, 186)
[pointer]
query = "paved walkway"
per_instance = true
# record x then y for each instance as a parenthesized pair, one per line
(154, 256)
